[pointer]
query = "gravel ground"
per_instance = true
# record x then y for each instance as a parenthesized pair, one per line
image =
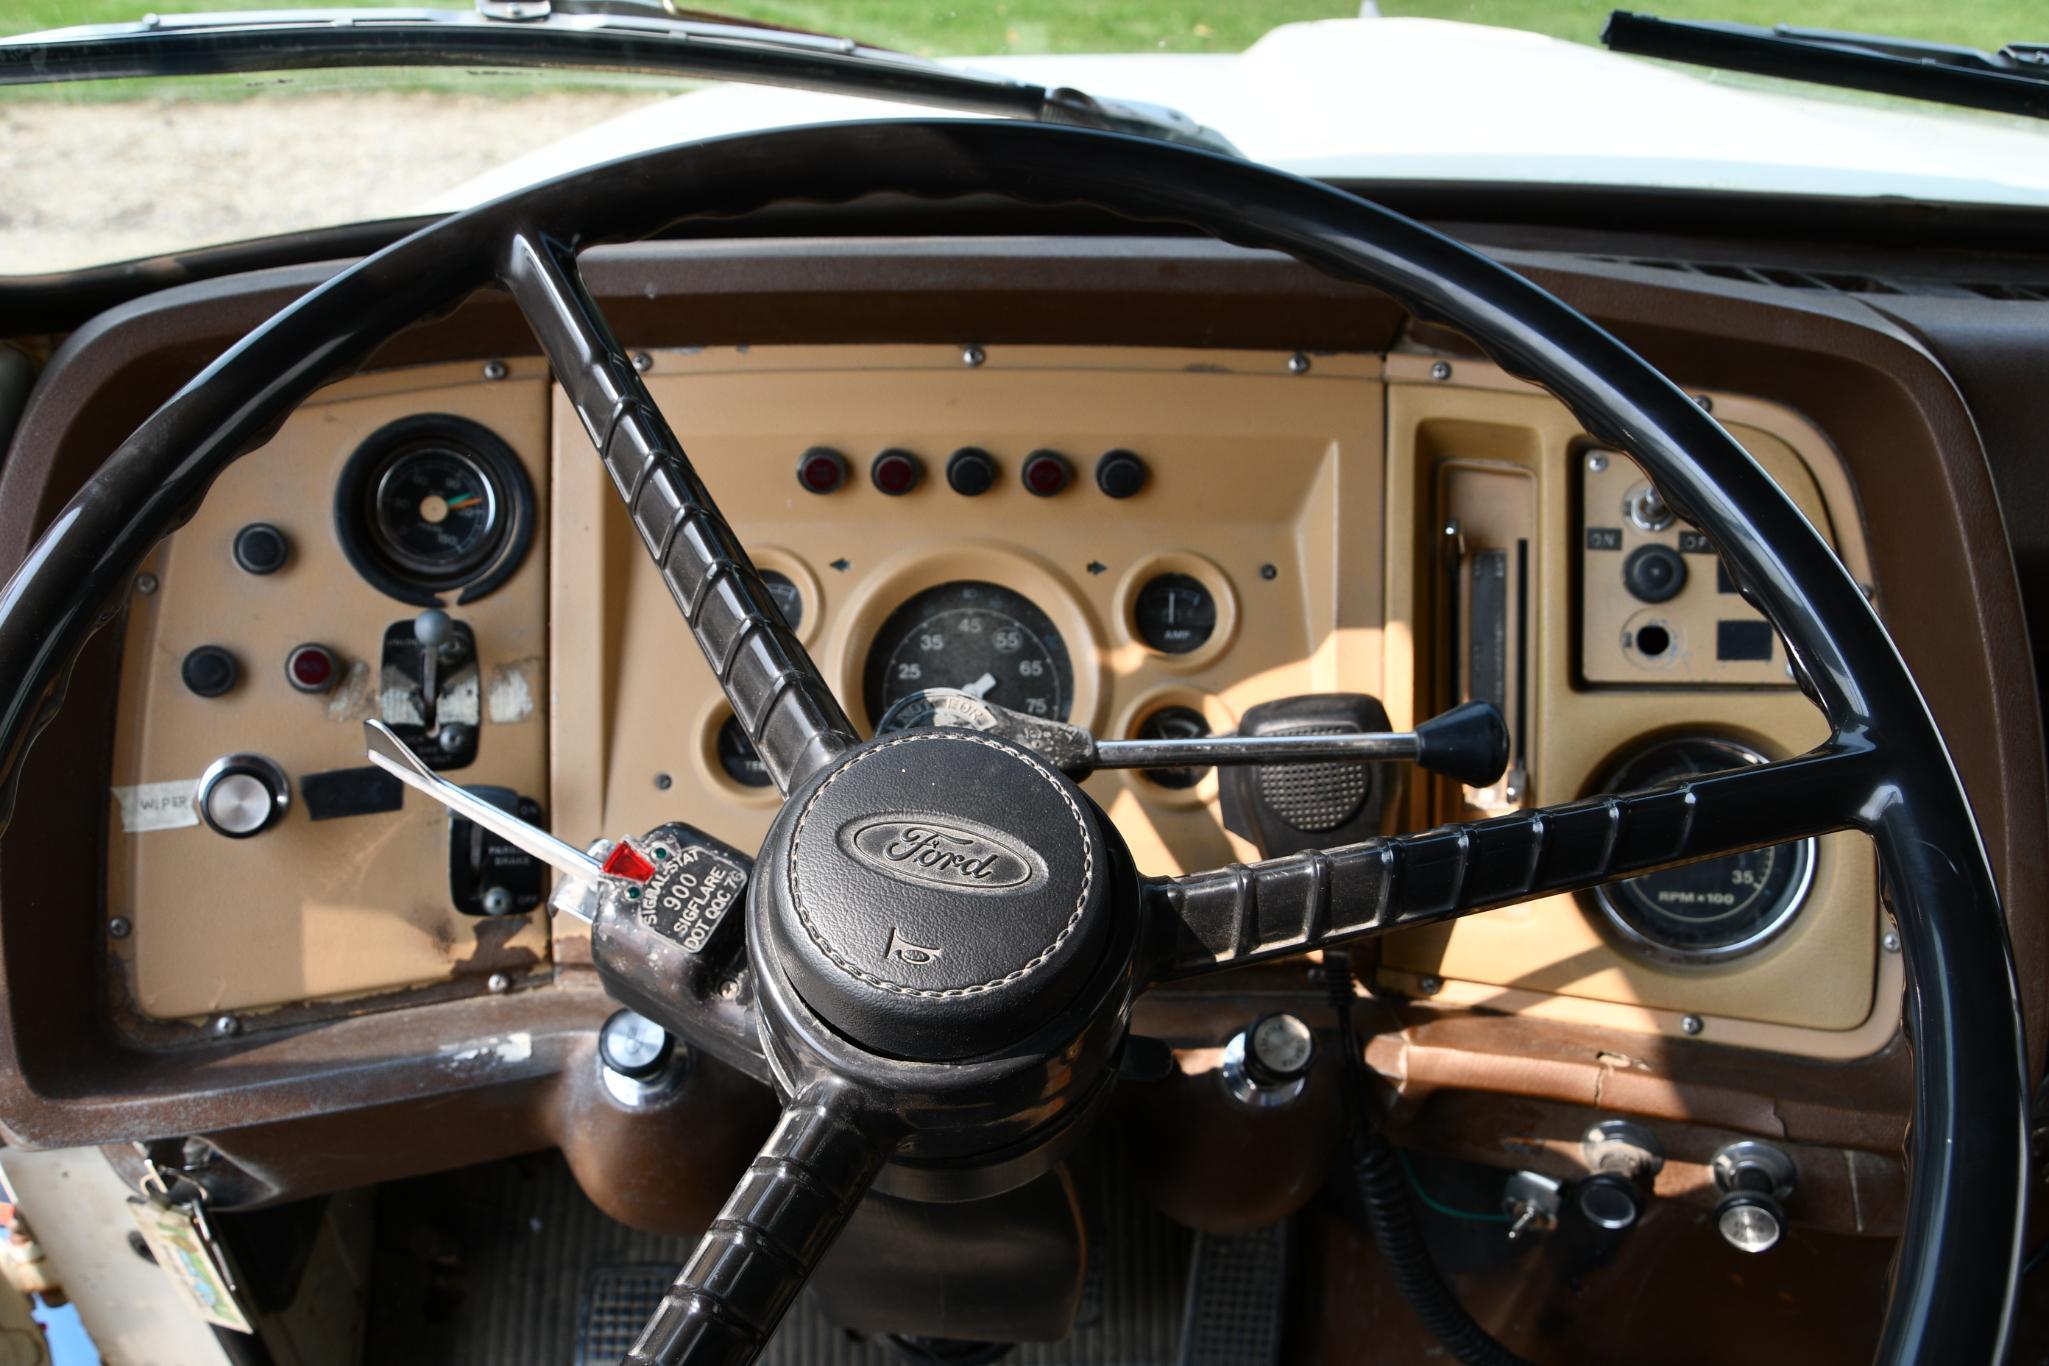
(88, 183)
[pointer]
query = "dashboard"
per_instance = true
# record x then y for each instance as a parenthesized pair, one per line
(1147, 485)
(1142, 541)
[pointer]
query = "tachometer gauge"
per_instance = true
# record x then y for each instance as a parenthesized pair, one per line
(980, 638)
(434, 503)
(1716, 909)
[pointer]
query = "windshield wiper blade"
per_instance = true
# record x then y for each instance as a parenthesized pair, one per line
(591, 35)
(2013, 80)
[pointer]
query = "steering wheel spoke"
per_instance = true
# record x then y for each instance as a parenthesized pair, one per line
(778, 695)
(1244, 913)
(791, 1203)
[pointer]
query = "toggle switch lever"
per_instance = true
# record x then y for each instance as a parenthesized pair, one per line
(433, 629)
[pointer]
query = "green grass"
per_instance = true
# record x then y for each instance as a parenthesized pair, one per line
(1988, 24)
(970, 27)
(943, 27)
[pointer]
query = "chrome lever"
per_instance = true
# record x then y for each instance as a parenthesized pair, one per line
(1469, 742)
(390, 753)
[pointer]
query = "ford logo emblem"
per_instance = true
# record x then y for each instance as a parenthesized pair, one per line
(948, 853)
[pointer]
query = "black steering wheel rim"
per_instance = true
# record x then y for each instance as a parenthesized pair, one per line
(1956, 1275)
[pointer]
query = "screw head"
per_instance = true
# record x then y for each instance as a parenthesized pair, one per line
(663, 782)
(498, 983)
(1691, 1024)
(972, 355)
(1441, 370)
(119, 927)
(226, 1026)
(729, 988)
(495, 370)
(1430, 984)
(1891, 942)
(1596, 461)
(1269, 572)
(1298, 364)
(643, 362)
(1707, 405)
(145, 584)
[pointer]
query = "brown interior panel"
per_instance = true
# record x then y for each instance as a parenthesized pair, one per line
(314, 910)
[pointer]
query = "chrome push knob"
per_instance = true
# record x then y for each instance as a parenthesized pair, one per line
(1269, 1063)
(1756, 1179)
(241, 795)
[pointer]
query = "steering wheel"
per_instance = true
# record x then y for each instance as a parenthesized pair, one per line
(944, 934)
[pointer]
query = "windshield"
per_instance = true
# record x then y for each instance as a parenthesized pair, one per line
(1440, 90)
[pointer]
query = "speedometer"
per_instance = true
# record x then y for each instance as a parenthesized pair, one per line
(981, 638)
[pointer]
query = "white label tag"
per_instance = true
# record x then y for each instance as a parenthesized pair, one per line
(157, 806)
(180, 1246)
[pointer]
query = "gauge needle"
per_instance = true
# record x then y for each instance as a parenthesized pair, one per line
(465, 500)
(979, 689)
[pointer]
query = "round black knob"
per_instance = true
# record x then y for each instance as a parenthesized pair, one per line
(209, 670)
(261, 548)
(970, 471)
(1609, 1200)
(1046, 473)
(1121, 473)
(1654, 573)
(242, 795)
(633, 1045)
(1279, 1048)
(821, 469)
(896, 472)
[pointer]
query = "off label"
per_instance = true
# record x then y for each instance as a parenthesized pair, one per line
(688, 897)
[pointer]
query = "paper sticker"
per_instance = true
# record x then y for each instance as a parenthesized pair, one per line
(192, 1261)
(157, 806)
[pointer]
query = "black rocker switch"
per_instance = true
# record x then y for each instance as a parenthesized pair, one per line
(1286, 808)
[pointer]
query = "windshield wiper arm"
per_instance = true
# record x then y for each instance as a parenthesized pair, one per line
(592, 35)
(2013, 80)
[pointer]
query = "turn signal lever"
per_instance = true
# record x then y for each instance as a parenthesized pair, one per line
(1469, 742)
(664, 908)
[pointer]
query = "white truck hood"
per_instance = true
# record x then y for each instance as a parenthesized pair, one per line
(1427, 99)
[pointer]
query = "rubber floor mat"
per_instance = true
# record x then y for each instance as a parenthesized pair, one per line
(507, 1264)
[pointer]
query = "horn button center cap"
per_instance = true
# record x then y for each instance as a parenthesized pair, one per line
(943, 895)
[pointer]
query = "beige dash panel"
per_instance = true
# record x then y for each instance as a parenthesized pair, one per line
(312, 910)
